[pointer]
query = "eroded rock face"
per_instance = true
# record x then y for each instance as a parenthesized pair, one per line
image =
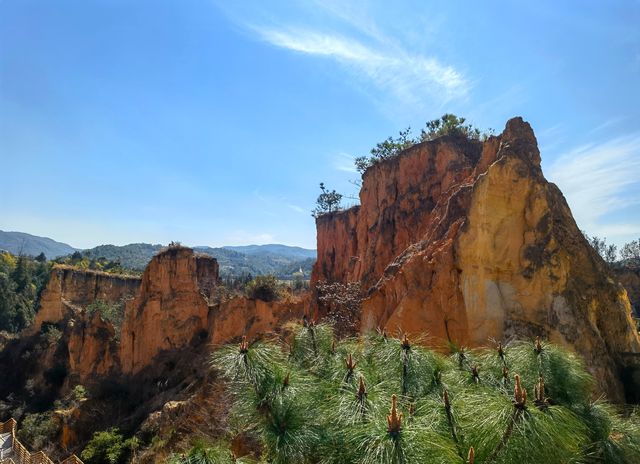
(467, 241)
(70, 289)
(242, 316)
(170, 308)
(92, 346)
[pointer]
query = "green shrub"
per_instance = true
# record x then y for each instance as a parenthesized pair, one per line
(203, 453)
(79, 393)
(38, 430)
(51, 333)
(377, 399)
(108, 447)
(265, 288)
(113, 313)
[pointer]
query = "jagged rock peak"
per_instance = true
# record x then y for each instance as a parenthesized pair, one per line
(468, 241)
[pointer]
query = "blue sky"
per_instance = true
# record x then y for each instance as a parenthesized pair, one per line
(212, 123)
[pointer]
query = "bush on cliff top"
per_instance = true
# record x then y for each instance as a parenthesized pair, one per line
(379, 399)
(447, 124)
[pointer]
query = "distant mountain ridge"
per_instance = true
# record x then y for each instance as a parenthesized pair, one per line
(22, 243)
(275, 249)
(281, 260)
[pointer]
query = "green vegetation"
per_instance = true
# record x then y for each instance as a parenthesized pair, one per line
(233, 263)
(204, 453)
(21, 280)
(328, 201)
(38, 430)
(83, 261)
(379, 399)
(608, 252)
(265, 288)
(447, 124)
(630, 252)
(51, 333)
(113, 313)
(109, 447)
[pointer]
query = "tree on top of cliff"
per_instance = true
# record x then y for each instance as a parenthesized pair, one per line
(630, 252)
(447, 124)
(450, 124)
(328, 201)
(608, 252)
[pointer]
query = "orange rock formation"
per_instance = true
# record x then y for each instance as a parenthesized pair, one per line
(241, 316)
(171, 307)
(92, 346)
(167, 309)
(70, 289)
(468, 241)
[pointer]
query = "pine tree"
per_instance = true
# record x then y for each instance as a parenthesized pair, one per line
(379, 399)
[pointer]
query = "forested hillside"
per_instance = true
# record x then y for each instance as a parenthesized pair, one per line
(21, 280)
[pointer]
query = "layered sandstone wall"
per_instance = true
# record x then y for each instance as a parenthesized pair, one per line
(170, 308)
(70, 288)
(467, 241)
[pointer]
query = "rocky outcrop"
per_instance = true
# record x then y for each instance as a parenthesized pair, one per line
(70, 289)
(170, 308)
(467, 241)
(242, 316)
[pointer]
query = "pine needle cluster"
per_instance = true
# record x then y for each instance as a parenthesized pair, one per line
(379, 399)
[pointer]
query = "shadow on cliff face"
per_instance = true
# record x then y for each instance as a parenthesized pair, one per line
(36, 376)
(630, 376)
(34, 370)
(126, 401)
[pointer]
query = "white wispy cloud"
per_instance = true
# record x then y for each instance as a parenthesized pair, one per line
(598, 180)
(408, 76)
(343, 162)
(349, 33)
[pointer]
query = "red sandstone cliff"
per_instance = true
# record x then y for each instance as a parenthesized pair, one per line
(92, 346)
(70, 289)
(167, 309)
(242, 316)
(468, 241)
(171, 307)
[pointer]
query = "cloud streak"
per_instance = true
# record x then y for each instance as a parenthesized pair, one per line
(598, 180)
(343, 162)
(409, 77)
(345, 33)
